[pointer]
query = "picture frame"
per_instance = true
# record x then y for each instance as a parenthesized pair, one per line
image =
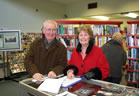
(10, 40)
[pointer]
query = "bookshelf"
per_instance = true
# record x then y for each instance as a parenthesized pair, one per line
(132, 67)
(102, 31)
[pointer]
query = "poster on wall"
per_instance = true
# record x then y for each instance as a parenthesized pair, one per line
(10, 40)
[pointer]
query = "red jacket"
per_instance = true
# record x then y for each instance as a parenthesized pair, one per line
(94, 59)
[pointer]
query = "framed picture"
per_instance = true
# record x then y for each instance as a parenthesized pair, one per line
(10, 40)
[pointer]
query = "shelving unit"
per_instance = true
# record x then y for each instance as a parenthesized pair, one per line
(132, 67)
(102, 31)
(16, 58)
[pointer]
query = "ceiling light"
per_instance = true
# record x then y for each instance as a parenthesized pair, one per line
(132, 15)
(101, 17)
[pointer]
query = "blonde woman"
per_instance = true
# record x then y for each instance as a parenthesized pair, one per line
(87, 58)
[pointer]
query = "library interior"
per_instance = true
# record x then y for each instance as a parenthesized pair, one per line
(23, 22)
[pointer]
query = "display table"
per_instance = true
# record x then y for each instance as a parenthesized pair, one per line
(83, 88)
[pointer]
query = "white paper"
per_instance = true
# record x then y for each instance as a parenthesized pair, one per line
(51, 85)
(45, 77)
(34, 80)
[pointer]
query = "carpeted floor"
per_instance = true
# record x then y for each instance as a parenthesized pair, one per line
(9, 88)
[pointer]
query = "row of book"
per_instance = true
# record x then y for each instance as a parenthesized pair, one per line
(69, 52)
(100, 41)
(104, 29)
(68, 42)
(133, 76)
(133, 53)
(132, 41)
(68, 30)
(133, 65)
(72, 42)
(133, 29)
(97, 29)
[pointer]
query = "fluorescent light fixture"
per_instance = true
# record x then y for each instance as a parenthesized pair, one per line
(132, 15)
(101, 17)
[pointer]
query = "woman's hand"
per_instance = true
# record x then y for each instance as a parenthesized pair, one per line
(70, 75)
(51, 74)
(37, 76)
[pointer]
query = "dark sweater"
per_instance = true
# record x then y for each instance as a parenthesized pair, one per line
(116, 57)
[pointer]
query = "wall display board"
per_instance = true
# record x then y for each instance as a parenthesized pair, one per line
(10, 40)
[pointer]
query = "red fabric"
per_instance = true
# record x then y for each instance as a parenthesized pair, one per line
(94, 59)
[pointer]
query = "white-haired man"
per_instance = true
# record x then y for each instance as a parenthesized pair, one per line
(47, 55)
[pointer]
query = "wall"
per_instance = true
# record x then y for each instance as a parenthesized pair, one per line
(28, 15)
(22, 14)
(79, 11)
(104, 7)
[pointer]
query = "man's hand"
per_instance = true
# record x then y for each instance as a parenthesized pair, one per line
(37, 76)
(51, 74)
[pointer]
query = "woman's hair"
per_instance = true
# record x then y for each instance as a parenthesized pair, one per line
(85, 28)
(117, 36)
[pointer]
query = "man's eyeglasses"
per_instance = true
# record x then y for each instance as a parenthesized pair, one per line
(51, 30)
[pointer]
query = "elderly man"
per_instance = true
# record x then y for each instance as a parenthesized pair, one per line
(46, 55)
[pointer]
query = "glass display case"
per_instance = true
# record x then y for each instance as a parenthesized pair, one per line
(83, 88)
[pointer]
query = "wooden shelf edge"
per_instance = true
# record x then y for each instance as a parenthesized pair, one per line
(132, 70)
(132, 59)
(132, 82)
